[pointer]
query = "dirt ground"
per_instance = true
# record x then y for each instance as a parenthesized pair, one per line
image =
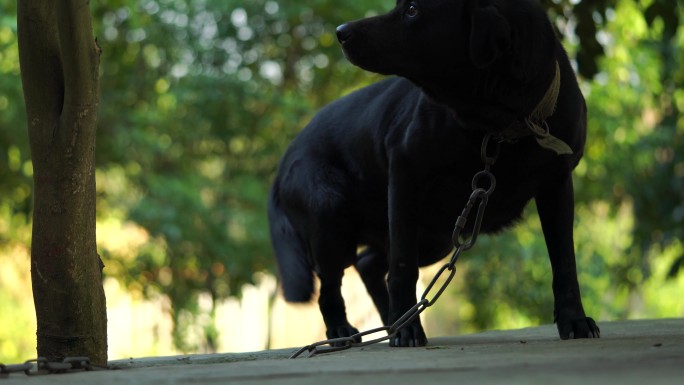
(629, 352)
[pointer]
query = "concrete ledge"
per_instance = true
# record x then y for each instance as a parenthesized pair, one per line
(628, 352)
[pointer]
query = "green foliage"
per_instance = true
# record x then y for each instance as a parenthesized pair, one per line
(200, 98)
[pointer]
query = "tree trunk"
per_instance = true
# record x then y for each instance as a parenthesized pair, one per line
(59, 70)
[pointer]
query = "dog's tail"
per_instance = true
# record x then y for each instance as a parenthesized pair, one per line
(296, 272)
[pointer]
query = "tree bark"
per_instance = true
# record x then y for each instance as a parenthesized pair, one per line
(59, 61)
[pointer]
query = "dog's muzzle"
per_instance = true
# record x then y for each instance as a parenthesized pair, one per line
(343, 33)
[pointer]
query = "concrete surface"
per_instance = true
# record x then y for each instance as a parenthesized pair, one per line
(647, 352)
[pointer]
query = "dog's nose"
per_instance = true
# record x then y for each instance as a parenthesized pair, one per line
(343, 33)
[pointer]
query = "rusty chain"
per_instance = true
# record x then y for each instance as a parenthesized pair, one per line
(480, 197)
(42, 365)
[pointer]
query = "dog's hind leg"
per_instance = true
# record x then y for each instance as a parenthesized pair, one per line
(372, 266)
(331, 304)
(333, 252)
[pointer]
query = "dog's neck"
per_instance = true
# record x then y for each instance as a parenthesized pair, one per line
(547, 104)
(535, 123)
(484, 108)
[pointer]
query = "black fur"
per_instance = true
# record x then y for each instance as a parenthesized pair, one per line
(389, 167)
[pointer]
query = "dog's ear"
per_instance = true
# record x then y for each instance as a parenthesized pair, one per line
(490, 35)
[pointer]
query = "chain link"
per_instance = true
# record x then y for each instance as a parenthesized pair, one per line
(479, 197)
(41, 366)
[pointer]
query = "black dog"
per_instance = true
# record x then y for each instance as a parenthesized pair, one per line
(389, 167)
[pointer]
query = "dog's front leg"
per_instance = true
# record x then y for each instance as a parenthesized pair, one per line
(556, 207)
(404, 198)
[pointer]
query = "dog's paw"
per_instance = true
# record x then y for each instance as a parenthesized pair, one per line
(410, 335)
(342, 332)
(583, 327)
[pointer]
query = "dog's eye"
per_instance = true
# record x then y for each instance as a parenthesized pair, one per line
(412, 11)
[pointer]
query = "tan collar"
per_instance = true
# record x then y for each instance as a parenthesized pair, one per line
(535, 124)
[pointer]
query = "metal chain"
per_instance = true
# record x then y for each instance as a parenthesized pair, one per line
(480, 197)
(41, 366)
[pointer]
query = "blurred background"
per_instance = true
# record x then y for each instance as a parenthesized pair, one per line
(200, 98)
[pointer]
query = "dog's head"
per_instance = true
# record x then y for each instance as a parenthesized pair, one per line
(453, 43)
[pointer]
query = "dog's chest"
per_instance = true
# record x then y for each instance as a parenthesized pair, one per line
(519, 173)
